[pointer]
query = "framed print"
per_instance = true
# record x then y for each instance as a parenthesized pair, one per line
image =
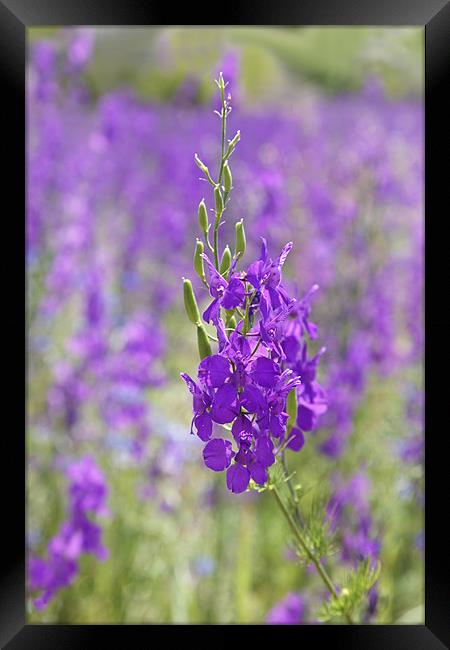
(231, 411)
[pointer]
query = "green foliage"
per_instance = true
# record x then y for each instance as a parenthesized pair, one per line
(356, 585)
(320, 538)
(272, 60)
(307, 507)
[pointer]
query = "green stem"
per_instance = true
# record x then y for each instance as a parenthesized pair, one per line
(300, 521)
(246, 321)
(216, 243)
(301, 540)
(222, 162)
(282, 448)
(224, 128)
(208, 243)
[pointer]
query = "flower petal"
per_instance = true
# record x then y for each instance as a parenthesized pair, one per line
(265, 372)
(297, 441)
(203, 424)
(253, 400)
(238, 478)
(212, 312)
(258, 472)
(264, 451)
(214, 370)
(217, 454)
(241, 425)
(224, 408)
(234, 294)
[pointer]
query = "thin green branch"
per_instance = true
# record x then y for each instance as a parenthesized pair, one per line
(309, 553)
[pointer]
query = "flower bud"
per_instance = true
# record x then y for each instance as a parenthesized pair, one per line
(233, 143)
(225, 262)
(198, 260)
(227, 178)
(291, 408)
(200, 164)
(190, 303)
(204, 169)
(240, 238)
(204, 346)
(218, 199)
(203, 217)
(220, 82)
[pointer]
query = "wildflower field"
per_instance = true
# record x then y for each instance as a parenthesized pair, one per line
(225, 326)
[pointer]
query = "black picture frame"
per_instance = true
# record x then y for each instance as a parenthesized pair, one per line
(434, 17)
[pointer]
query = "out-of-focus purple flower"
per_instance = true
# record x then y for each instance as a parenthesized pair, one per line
(289, 611)
(87, 487)
(80, 48)
(350, 516)
(87, 494)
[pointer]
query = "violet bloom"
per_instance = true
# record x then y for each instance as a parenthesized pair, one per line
(289, 611)
(265, 276)
(228, 295)
(80, 48)
(48, 576)
(78, 535)
(235, 383)
(201, 401)
(244, 387)
(349, 513)
(312, 401)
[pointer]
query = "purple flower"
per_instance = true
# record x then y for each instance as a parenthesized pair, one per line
(50, 576)
(226, 294)
(225, 404)
(214, 371)
(238, 478)
(87, 495)
(246, 384)
(312, 400)
(297, 439)
(201, 402)
(217, 454)
(80, 49)
(265, 276)
(349, 514)
(289, 611)
(265, 372)
(88, 490)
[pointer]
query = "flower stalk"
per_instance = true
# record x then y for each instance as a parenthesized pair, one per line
(249, 387)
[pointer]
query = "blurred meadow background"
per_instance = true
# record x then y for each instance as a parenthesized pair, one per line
(124, 523)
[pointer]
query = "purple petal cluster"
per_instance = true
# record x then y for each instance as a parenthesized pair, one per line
(289, 611)
(245, 385)
(78, 535)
